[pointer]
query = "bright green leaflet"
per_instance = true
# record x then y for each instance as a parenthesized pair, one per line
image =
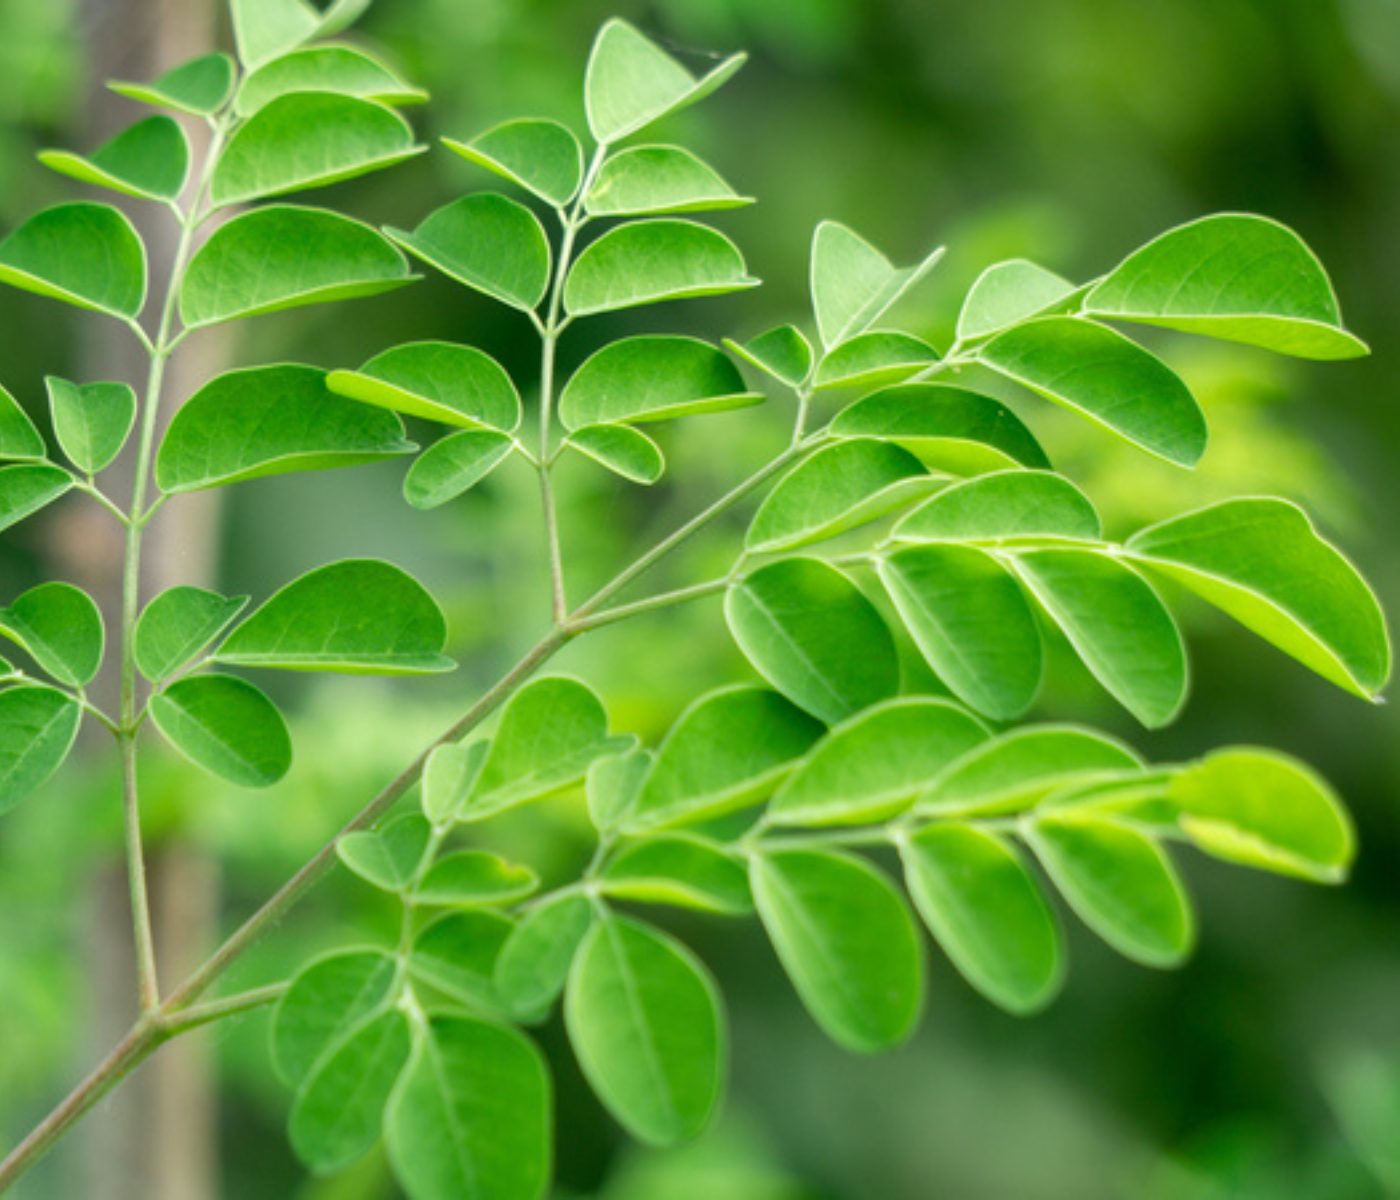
(327, 999)
(1007, 293)
(646, 180)
(1003, 505)
(534, 962)
(873, 766)
(28, 487)
(1234, 276)
(1117, 625)
(488, 242)
(388, 857)
(60, 627)
(456, 955)
(342, 69)
(971, 621)
(853, 283)
(985, 909)
(874, 359)
(783, 353)
(18, 436)
(263, 421)
(541, 156)
(37, 728)
(680, 870)
(150, 160)
(448, 777)
(469, 877)
(612, 785)
(281, 257)
(1120, 883)
(728, 750)
(645, 262)
(265, 29)
(439, 381)
(227, 726)
(847, 941)
(653, 377)
(1113, 381)
(646, 1023)
(622, 450)
(84, 254)
(1261, 561)
(453, 465)
(177, 625)
(200, 86)
(358, 617)
(811, 633)
(91, 421)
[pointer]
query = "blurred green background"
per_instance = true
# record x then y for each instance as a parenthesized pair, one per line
(1067, 132)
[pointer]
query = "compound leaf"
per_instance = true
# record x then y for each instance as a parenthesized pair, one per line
(622, 450)
(453, 465)
(60, 627)
(541, 156)
(150, 160)
(84, 254)
(1007, 293)
(853, 283)
(37, 728)
(91, 420)
(328, 998)
(227, 726)
(646, 180)
(200, 87)
(1001, 506)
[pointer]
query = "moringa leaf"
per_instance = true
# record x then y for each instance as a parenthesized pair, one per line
(621, 449)
(1006, 294)
(343, 69)
(91, 421)
(60, 628)
(453, 465)
(875, 359)
(327, 999)
(853, 283)
(681, 870)
(87, 255)
(439, 381)
(200, 87)
(543, 157)
(471, 877)
(456, 955)
(150, 160)
(646, 180)
(177, 625)
(782, 353)
(612, 784)
(389, 857)
(28, 487)
(1001, 506)
(18, 436)
(37, 728)
(227, 726)
(266, 29)
(448, 778)
(534, 962)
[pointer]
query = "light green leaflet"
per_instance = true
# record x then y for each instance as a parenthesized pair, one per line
(265, 29)
(645, 1020)
(541, 156)
(329, 997)
(150, 161)
(18, 436)
(456, 955)
(1003, 506)
(645, 262)
(612, 784)
(873, 765)
(308, 140)
(534, 962)
(28, 487)
(782, 353)
(263, 421)
(811, 633)
(227, 726)
(728, 750)
(358, 617)
(37, 728)
(1104, 376)
(91, 421)
(200, 86)
(987, 912)
(177, 625)
(853, 283)
(631, 82)
(448, 777)
(60, 627)
(1234, 276)
(488, 242)
(469, 877)
(1261, 561)
(453, 465)
(1006, 293)
(342, 69)
(84, 254)
(681, 870)
(283, 256)
(388, 857)
(874, 359)
(439, 381)
(652, 377)
(622, 450)
(646, 180)
(847, 941)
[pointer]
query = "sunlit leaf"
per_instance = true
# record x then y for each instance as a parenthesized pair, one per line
(612, 784)
(658, 179)
(60, 627)
(543, 157)
(1002, 506)
(227, 726)
(84, 254)
(200, 86)
(621, 449)
(37, 728)
(448, 778)
(343, 69)
(469, 877)
(150, 160)
(681, 870)
(1006, 293)
(453, 465)
(853, 283)
(177, 625)
(782, 353)
(265, 29)
(439, 381)
(874, 359)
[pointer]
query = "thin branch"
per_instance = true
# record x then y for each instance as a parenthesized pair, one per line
(216, 1010)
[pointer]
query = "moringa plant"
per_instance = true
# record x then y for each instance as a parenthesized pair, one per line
(913, 512)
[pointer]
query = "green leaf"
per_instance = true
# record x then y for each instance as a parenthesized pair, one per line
(150, 160)
(284, 256)
(652, 377)
(631, 82)
(1019, 768)
(541, 156)
(343, 69)
(439, 381)
(18, 436)
(847, 941)
(59, 626)
(308, 140)
(265, 29)
(681, 870)
(28, 487)
(339, 1107)
(612, 785)
(1007, 293)
(1261, 561)
(37, 728)
(453, 465)
(534, 962)
(838, 488)
(470, 877)
(1120, 883)
(262, 421)
(874, 359)
(358, 617)
(457, 954)
(84, 254)
(645, 262)
(327, 999)
(1263, 809)
(1117, 624)
(177, 625)
(1092, 370)
(811, 633)
(985, 909)
(91, 421)
(658, 179)
(783, 353)
(388, 857)
(971, 621)
(725, 752)
(470, 1119)
(488, 242)
(448, 778)
(200, 87)
(645, 1020)
(621, 449)
(872, 767)
(947, 428)
(1002, 506)
(853, 283)
(1233, 276)
(227, 726)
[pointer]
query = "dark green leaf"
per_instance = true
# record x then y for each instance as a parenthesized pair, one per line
(621, 449)
(534, 962)
(200, 86)
(18, 436)
(784, 353)
(1002, 506)
(150, 160)
(541, 156)
(177, 625)
(387, 857)
(874, 360)
(84, 254)
(1007, 293)
(440, 381)
(91, 420)
(658, 179)
(28, 487)
(227, 726)
(60, 627)
(681, 870)
(853, 283)
(453, 465)
(457, 954)
(342, 69)
(37, 728)
(471, 877)
(327, 999)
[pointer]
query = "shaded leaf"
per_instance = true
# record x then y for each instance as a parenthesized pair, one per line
(200, 86)
(534, 962)
(227, 726)
(18, 436)
(84, 254)
(541, 156)
(853, 283)
(1001, 506)
(453, 465)
(388, 857)
(874, 359)
(658, 179)
(28, 487)
(1007, 293)
(37, 728)
(783, 353)
(612, 784)
(327, 999)
(344, 69)
(177, 625)
(681, 870)
(91, 421)
(622, 450)
(468, 877)
(150, 160)
(60, 627)
(456, 954)
(439, 381)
